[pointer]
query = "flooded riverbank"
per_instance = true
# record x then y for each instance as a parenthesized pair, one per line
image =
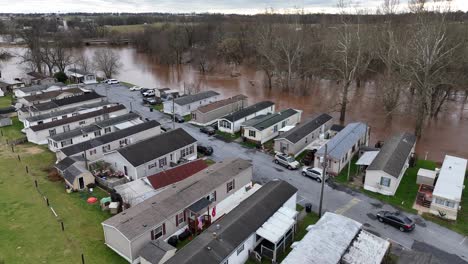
(446, 135)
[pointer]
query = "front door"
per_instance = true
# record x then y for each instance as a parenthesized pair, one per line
(81, 181)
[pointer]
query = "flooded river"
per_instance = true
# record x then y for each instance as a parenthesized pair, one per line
(446, 135)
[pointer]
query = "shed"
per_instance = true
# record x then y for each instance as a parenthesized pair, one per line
(156, 252)
(5, 121)
(426, 177)
(367, 158)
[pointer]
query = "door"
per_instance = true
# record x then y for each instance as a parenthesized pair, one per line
(81, 182)
(125, 171)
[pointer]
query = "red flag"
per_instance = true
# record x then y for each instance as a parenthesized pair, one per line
(213, 212)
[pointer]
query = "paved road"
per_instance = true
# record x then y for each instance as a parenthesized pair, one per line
(337, 199)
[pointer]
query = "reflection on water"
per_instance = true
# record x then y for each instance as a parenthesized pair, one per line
(447, 134)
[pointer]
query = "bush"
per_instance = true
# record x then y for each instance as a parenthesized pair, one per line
(61, 77)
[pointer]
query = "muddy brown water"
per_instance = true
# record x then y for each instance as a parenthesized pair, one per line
(446, 135)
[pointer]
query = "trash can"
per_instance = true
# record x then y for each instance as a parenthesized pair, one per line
(308, 207)
(151, 109)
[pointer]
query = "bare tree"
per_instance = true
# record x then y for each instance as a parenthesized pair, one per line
(107, 61)
(61, 55)
(84, 63)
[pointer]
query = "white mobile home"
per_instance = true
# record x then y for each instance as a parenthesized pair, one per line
(80, 76)
(232, 122)
(186, 104)
(385, 172)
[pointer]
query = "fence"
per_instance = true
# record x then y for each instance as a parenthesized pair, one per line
(109, 185)
(18, 141)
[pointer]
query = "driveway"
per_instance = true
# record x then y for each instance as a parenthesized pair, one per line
(337, 199)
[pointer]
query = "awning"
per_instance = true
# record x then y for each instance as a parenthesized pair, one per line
(277, 226)
(199, 205)
(367, 158)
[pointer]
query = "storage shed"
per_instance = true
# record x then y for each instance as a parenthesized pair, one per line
(426, 177)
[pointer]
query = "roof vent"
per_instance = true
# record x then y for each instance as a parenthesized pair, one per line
(218, 227)
(209, 248)
(215, 235)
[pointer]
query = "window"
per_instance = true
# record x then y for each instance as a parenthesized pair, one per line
(211, 197)
(106, 148)
(64, 116)
(230, 186)
(194, 116)
(40, 122)
(82, 122)
(283, 124)
(251, 133)
(52, 132)
(107, 130)
(97, 133)
(171, 157)
(225, 124)
(74, 114)
(162, 162)
(92, 152)
(444, 202)
(123, 142)
(85, 135)
(157, 232)
(450, 204)
(384, 181)
(152, 165)
(187, 151)
(54, 118)
(240, 249)
(275, 128)
(55, 145)
(66, 128)
(66, 142)
(180, 218)
(353, 149)
(97, 119)
(307, 139)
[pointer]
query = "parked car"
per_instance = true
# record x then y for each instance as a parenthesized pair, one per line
(135, 88)
(313, 173)
(149, 93)
(178, 118)
(205, 150)
(143, 90)
(308, 158)
(166, 127)
(151, 101)
(208, 130)
(397, 220)
(112, 81)
(286, 161)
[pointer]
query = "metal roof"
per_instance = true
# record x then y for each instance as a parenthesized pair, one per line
(218, 104)
(270, 119)
(188, 99)
(342, 142)
(65, 101)
(67, 111)
(154, 251)
(367, 158)
(39, 87)
(248, 111)
(449, 184)
(299, 132)
(393, 155)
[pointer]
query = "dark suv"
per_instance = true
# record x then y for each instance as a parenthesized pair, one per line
(396, 219)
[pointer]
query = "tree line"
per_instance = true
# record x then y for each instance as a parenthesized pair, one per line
(419, 58)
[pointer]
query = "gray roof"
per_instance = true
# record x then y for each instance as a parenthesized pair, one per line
(188, 99)
(72, 172)
(68, 120)
(394, 153)
(336, 127)
(299, 132)
(107, 138)
(78, 71)
(39, 87)
(65, 164)
(157, 146)
(67, 111)
(143, 217)
(236, 226)
(65, 101)
(95, 127)
(248, 111)
(51, 94)
(342, 142)
(155, 250)
(270, 119)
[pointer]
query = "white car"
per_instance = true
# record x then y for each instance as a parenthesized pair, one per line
(149, 93)
(313, 173)
(135, 88)
(286, 161)
(112, 81)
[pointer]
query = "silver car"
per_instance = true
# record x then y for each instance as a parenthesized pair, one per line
(313, 173)
(286, 161)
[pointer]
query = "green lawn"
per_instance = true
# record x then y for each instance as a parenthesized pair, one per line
(228, 136)
(406, 193)
(12, 132)
(158, 107)
(30, 233)
(132, 28)
(129, 85)
(187, 118)
(5, 101)
(343, 176)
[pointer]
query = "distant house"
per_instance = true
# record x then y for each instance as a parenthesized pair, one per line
(142, 189)
(60, 114)
(338, 239)
(48, 96)
(74, 172)
(265, 221)
(209, 114)
(232, 123)
(297, 139)
(189, 204)
(262, 128)
(8, 87)
(39, 134)
(447, 194)
(385, 172)
(80, 76)
(154, 154)
(59, 104)
(38, 89)
(97, 129)
(343, 146)
(186, 104)
(33, 78)
(95, 148)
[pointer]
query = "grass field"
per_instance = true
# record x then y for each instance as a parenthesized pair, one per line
(30, 233)
(5, 101)
(12, 132)
(343, 176)
(132, 28)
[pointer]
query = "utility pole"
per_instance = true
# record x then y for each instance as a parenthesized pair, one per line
(349, 167)
(324, 177)
(173, 114)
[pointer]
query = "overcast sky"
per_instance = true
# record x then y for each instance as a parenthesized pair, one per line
(180, 6)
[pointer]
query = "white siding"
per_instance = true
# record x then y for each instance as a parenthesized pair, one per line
(237, 124)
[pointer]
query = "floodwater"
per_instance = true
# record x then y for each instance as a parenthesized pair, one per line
(446, 135)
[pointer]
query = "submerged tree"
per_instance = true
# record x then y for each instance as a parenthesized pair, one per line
(107, 61)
